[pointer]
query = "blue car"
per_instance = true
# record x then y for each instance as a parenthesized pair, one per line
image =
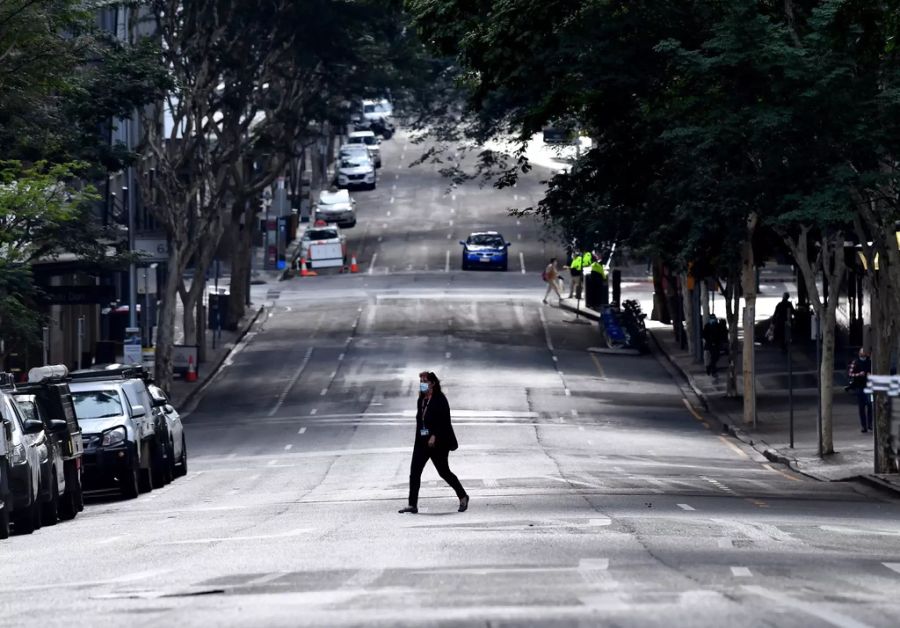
(485, 249)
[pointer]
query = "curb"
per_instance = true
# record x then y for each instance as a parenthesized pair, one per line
(877, 483)
(585, 313)
(214, 370)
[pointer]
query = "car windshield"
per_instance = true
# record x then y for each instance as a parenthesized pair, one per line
(27, 410)
(484, 239)
(354, 161)
(322, 234)
(334, 198)
(370, 108)
(97, 404)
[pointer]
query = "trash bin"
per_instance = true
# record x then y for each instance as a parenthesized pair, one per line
(218, 309)
(596, 291)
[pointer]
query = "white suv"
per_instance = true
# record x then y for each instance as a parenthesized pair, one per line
(371, 142)
(356, 171)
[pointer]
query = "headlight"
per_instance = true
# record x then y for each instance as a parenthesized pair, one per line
(113, 437)
(18, 455)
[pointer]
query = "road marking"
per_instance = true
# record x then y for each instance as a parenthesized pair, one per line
(522, 261)
(313, 411)
(518, 236)
(391, 202)
(291, 383)
(447, 262)
(269, 577)
(515, 197)
(815, 609)
(597, 364)
(302, 430)
(574, 412)
(288, 447)
(447, 355)
(451, 223)
(393, 186)
(518, 222)
(781, 473)
(324, 392)
(396, 177)
(341, 358)
(741, 572)
(452, 211)
(453, 197)
(725, 544)
(389, 213)
(892, 566)
(272, 463)
(256, 537)
(372, 263)
(111, 539)
(693, 411)
(593, 564)
(734, 448)
(685, 507)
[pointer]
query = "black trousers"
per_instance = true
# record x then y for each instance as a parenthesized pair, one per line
(439, 457)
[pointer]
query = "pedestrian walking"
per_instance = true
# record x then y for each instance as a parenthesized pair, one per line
(784, 312)
(434, 441)
(551, 276)
(859, 374)
(712, 345)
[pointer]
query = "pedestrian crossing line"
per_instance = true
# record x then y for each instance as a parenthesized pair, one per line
(892, 566)
(302, 430)
(781, 473)
(685, 507)
(741, 572)
(734, 448)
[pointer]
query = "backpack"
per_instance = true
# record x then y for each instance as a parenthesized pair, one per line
(544, 275)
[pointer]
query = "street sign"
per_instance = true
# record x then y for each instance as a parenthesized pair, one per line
(131, 346)
(152, 248)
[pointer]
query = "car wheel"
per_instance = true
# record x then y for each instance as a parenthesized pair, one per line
(27, 520)
(4, 522)
(170, 468)
(182, 468)
(130, 482)
(68, 505)
(50, 509)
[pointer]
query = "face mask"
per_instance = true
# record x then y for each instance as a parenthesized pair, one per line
(423, 387)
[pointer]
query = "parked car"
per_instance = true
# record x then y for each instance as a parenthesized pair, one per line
(177, 441)
(323, 246)
(371, 141)
(336, 206)
(356, 171)
(485, 249)
(125, 435)
(47, 398)
(377, 109)
(24, 466)
(6, 379)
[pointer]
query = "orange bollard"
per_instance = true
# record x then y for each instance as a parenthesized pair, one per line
(354, 267)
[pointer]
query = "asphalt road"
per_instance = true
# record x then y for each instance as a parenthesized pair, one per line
(600, 495)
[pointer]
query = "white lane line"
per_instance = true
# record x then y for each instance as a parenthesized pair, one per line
(447, 263)
(396, 177)
(269, 577)
(552, 351)
(452, 211)
(892, 566)
(741, 572)
(522, 261)
(451, 223)
(518, 236)
(447, 355)
(372, 263)
(223, 539)
(810, 608)
(324, 392)
(341, 358)
(288, 447)
(272, 463)
(391, 201)
(593, 564)
(302, 430)
(393, 186)
(449, 235)
(291, 383)
(453, 197)
(313, 411)
(685, 507)
(389, 213)
(515, 197)
(111, 539)
(574, 412)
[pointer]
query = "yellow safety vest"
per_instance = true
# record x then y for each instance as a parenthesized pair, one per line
(586, 260)
(576, 263)
(597, 267)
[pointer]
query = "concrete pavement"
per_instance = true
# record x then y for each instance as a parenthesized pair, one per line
(854, 455)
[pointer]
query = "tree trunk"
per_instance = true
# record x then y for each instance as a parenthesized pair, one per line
(241, 238)
(165, 333)
(748, 283)
(687, 296)
(732, 307)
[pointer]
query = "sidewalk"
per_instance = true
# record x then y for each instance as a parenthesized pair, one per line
(182, 393)
(854, 450)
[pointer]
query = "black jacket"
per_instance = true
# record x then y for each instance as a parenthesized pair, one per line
(436, 417)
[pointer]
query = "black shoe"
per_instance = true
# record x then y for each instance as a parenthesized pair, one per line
(863, 430)
(409, 509)
(463, 504)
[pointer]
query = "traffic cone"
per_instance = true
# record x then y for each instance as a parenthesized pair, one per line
(304, 271)
(354, 267)
(191, 375)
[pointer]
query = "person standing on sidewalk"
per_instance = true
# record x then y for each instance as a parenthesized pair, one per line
(434, 440)
(859, 374)
(551, 276)
(577, 277)
(784, 312)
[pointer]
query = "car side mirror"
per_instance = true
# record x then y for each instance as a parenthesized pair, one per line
(461, 242)
(170, 408)
(138, 411)
(508, 244)
(58, 425)
(7, 429)
(32, 426)
(159, 403)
